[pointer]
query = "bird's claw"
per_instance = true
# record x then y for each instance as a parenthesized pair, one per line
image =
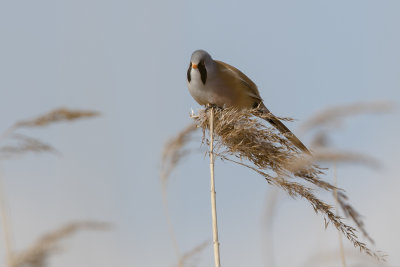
(208, 106)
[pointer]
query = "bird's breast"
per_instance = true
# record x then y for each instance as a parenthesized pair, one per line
(212, 91)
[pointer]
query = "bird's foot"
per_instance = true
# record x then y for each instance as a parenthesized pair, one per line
(208, 106)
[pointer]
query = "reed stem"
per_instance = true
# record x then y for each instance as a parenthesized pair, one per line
(213, 194)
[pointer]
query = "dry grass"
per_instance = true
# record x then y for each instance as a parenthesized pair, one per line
(38, 254)
(241, 135)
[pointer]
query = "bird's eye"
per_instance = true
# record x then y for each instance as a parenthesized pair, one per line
(201, 63)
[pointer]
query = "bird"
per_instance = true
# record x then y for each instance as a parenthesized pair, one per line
(216, 83)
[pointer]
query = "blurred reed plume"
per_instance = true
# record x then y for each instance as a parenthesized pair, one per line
(321, 123)
(57, 115)
(329, 258)
(38, 254)
(241, 137)
(18, 145)
(323, 154)
(23, 144)
(174, 151)
(334, 115)
(189, 258)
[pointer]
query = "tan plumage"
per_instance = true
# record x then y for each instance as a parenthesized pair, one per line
(218, 83)
(246, 92)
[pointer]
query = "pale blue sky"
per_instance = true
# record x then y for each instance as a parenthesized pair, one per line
(128, 60)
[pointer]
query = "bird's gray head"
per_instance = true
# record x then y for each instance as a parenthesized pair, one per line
(200, 56)
(201, 61)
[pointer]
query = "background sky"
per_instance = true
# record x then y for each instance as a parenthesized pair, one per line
(128, 60)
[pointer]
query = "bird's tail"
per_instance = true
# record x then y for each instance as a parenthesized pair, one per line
(284, 130)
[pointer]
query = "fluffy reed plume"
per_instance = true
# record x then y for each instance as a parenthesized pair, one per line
(38, 254)
(241, 135)
(336, 114)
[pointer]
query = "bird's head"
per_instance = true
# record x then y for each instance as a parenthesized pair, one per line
(202, 62)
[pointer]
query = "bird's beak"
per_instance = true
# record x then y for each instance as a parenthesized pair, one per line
(194, 66)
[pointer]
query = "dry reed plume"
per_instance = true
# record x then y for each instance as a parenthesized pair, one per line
(240, 136)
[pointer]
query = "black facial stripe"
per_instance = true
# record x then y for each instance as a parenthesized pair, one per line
(188, 72)
(203, 72)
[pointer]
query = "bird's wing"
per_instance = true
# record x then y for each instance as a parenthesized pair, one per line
(249, 86)
(235, 77)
